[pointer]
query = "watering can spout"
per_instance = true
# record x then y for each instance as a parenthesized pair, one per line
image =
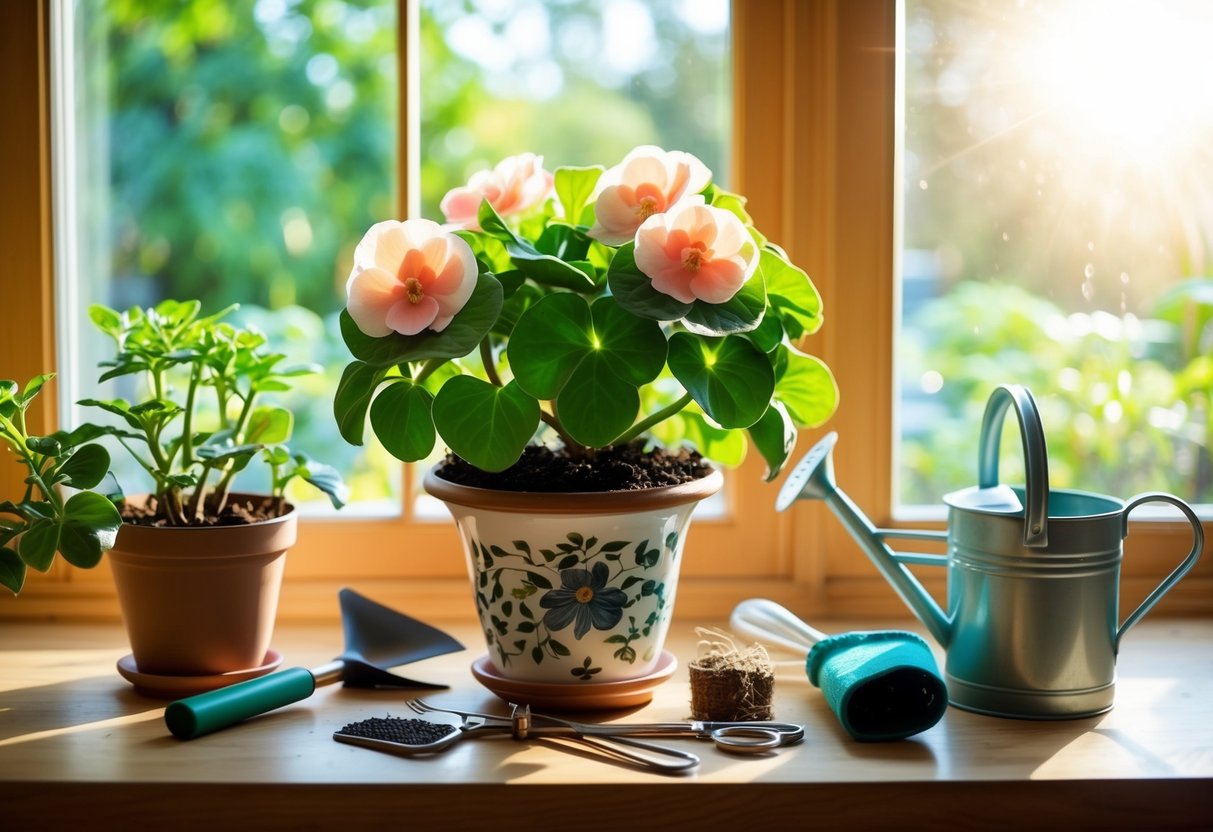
(813, 479)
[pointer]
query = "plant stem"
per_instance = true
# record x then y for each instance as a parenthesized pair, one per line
(575, 448)
(187, 428)
(653, 419)
(490, 366)
(427, 369)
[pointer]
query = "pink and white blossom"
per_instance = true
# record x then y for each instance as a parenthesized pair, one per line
(696, 252)
(409, 276)
(516, 184)
(648, 181)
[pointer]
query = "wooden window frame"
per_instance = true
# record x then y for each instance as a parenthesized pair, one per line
(815, 150)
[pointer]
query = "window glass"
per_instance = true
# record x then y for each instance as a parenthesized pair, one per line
(233, 153)
(1057, 224)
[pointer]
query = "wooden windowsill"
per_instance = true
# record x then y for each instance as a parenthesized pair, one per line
(79, 746)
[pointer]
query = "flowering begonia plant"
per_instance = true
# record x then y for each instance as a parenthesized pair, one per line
(601, 306)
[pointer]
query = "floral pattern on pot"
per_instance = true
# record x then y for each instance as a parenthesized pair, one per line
(576, 604)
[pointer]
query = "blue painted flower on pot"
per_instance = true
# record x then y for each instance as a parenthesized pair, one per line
(584, 598)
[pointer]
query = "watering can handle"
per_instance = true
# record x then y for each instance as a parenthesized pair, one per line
(1198, 544)
(1035, 453)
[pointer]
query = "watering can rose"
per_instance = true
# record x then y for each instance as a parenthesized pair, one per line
(514, 186)
(409, 276)
(648, 181)
(599, 306)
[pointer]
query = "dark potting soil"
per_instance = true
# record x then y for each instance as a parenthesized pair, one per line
(618, 468)
(238, 512)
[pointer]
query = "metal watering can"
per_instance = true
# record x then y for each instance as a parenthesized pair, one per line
(1033, 575)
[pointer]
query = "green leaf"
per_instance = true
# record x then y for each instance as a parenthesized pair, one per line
(574, 187)
(808, 389)
(461, 336)
(324, 477)
(543, 268)
(730, 378)
(402, 419)
(596, 405)
(634, 290)
(792, 294)
(486, 425)
(117, 407)
(727, 447)
(90, 524)
(105, 319)
(32, 388)
(12, 570)
(269, 425)
(353, 398)
(774, 435)
(39, 543)
(562, 332)
(86, 467)
(741, 313)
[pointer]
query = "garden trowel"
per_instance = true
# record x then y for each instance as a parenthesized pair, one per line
(376, 638)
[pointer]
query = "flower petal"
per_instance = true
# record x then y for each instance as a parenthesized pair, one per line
(409, 318)
(557, 618)
(585, 618)
(604, 616)
(371, 293)
(575, 578)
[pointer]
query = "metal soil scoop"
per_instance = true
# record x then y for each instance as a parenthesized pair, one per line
(1031, 626)
(376, 638)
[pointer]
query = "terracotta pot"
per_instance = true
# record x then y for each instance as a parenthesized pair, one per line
(201, 601)
(574, 588)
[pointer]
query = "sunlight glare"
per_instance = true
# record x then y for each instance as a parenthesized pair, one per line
(1129, 76)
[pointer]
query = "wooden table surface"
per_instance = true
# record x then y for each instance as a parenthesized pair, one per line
(78, 746)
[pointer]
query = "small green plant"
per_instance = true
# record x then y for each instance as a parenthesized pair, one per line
(203, 419)
(45, 522)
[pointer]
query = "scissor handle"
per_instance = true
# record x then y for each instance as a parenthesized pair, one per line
(745, 739)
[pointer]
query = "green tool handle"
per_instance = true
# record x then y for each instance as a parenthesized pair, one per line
(215, 709)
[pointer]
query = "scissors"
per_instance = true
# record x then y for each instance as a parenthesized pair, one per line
(732, 736)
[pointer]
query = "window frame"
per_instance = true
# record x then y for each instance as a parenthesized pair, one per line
(819, 164)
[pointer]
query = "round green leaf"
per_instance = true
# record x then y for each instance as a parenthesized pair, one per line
(774, 435)
(86, 467)
(741, 313)
(12, 570)
(269, 425)
(558, 334)
(38, 544)
(726, 447)
(461, 336)
(486, 425)
(402, 419)
(596, 405)
(550, 339)
(808, 389)
(634, 348)
(792, 294)
(90, 524)
(634, 291)
(730, 378)
(353, 398)
(574, 187)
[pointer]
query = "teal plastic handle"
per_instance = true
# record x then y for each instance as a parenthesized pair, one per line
(210, 711)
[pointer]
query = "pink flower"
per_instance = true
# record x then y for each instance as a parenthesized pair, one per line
(515, 185)
(648, 181)
(696, 252)
(408, 276)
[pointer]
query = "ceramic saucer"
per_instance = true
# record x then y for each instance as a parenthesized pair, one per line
(576, 696)
(175, 687)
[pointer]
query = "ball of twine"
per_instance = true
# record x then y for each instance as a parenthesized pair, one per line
(730, 683)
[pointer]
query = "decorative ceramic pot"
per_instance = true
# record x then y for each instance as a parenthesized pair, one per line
(574, 587)
(201, 601)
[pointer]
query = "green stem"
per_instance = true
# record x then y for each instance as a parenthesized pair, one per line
(427, 369)
(187, 429)
(653, 419)
(551, 420)
(490, 366)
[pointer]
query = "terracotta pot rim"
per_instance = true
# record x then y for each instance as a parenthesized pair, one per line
(265, 537)
(572, 502)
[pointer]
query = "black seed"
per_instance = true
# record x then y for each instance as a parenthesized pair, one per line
(398, 729)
